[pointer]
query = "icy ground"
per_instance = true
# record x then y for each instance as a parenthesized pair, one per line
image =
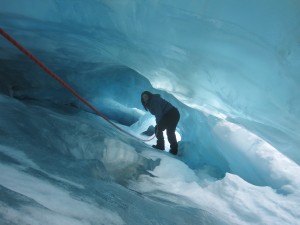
(64, 166)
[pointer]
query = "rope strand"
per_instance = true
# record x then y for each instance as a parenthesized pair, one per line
(63, 83)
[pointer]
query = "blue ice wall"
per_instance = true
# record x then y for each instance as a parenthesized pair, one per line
(237, 61)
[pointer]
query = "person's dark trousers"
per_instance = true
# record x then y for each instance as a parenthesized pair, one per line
(168, 122)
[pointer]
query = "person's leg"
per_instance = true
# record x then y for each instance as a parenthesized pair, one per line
(171, 128)
(172, 140)
(160, 144)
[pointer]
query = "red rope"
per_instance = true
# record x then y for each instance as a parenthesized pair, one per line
(62, 82)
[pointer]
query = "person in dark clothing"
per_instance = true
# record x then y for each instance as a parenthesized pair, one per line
(167, 118)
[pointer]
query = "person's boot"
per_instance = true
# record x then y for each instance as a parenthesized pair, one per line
(174, 148)
(159, 145)
(174, 151)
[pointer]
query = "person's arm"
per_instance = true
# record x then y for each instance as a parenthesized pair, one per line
(158, 110)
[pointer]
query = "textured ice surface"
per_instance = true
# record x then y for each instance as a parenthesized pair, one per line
(230, 68)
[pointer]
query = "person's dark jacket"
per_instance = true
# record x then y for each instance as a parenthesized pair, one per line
(158, 107)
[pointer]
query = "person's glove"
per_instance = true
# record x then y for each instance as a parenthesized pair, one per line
(150, 131)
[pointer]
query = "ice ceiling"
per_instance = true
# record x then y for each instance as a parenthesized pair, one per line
(240, 58)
